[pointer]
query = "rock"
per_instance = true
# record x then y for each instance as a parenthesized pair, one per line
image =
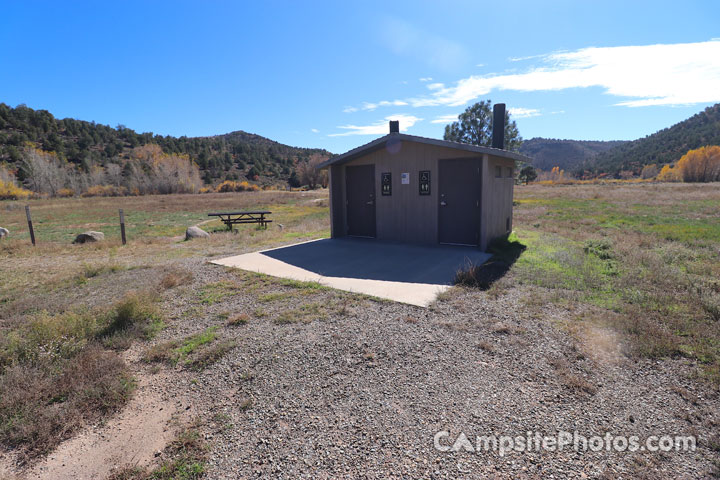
(4, 232)
(89, 237)
(195, 232)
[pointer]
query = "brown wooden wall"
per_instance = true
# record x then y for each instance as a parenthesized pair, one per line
(406, 215)
(497, 199)
(336, 181)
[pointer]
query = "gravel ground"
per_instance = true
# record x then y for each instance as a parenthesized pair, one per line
(359, 388)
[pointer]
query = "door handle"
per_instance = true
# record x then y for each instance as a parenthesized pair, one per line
(443, 203)
(370, 203)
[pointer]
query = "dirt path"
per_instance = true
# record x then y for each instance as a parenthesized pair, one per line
(132, 437)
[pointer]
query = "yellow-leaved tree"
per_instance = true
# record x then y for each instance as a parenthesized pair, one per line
(8, 186)
(557, 175)
(149, 170)
(700, 165)
(669, 174)
(649, 171)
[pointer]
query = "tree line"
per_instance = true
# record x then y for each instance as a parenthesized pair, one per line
(85, 146)
(147, 171)
(698, 165)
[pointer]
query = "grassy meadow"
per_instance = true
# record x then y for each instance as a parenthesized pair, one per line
(642, 260)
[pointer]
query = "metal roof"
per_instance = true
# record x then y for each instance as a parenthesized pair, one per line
(381, 142)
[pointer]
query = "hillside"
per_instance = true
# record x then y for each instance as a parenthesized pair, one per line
(665, 146)
(566, 154)
(234, 156)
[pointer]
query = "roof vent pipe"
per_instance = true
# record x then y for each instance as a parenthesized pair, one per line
(394, 126)
(498, 133)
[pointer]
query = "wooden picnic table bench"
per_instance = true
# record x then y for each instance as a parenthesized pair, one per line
(234, 218)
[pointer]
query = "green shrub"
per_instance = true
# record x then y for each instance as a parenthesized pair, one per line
(136, 316)
(602, 249)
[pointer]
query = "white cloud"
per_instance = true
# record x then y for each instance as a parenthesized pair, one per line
(378, 128)
(350, 109)
(444, 119)
(435, 86)
(519, 112)
(529, 57)
(479, 64)
(385, 103)
(663, 74)
(314, 130)
(425, 79)
(516, 112)
(406, 39)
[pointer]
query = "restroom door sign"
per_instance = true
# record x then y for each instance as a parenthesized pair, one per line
(424, 182)
(386, 183)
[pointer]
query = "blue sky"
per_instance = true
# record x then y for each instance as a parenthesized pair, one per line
(330, 74)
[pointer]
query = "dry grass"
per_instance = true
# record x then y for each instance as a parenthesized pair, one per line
(209, 355)
(502, 328)
(58, 220)
(646, 254)
(245, 404)
(239, 319)
(44, 402)
(571, 380)
(56, 371)
(161, 353)
(305, 313)
(176, 277)
(686, 394)
(486, 346)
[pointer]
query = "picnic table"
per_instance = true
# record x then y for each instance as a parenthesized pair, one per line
(234, 218)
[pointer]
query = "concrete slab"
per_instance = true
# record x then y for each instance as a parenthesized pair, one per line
(413, 274)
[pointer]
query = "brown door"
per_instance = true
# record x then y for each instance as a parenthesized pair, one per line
(360, 188)
(459, 197)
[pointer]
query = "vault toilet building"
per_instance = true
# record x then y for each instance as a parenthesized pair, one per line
(422, 190)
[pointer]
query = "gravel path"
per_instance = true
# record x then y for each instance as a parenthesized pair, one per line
(360, 390)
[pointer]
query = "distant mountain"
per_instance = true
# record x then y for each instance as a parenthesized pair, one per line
(666, 146)
(566, 154)
(234, 156)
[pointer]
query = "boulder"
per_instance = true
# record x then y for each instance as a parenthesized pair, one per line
(89, 237)
(4, 232)
(195, 232)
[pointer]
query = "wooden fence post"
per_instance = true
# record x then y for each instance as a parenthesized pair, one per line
(122, 226)
(30, 225)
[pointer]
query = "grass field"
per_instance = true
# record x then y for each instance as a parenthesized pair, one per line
(155, 226)
(641, 260)
(59, 220)
(645, 258)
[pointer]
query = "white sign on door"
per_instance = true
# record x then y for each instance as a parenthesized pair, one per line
(405, 178)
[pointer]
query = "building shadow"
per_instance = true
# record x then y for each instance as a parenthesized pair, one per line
(482, 276)
(372, 259)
